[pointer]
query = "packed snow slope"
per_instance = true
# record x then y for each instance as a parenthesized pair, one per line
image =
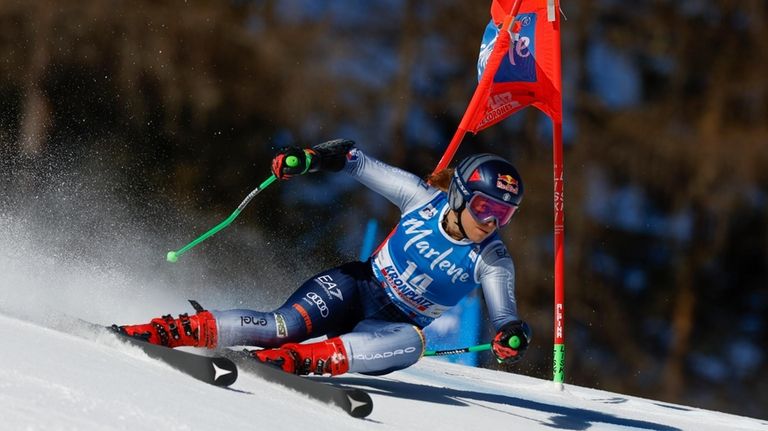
(56, 377)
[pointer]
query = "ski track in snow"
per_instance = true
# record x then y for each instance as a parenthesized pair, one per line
(54, 380)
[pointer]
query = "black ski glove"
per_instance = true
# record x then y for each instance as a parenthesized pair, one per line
(329, 156)
(511, 341)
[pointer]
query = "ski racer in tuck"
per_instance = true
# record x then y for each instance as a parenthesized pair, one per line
(372, 313)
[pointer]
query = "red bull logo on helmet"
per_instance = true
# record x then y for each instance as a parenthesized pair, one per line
(507, 183)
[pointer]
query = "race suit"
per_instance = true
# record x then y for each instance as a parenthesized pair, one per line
(379, 307)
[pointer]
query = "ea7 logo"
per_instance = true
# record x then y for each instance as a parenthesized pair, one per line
(330, 287)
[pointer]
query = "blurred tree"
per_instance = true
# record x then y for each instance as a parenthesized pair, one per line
(694, 145)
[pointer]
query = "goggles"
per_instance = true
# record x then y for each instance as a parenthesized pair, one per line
(484, 208)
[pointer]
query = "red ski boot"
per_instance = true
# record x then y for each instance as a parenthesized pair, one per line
(323, 357)
(197, 331)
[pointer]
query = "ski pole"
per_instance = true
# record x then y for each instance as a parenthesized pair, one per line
(470, 349)
(514, 342)
(173, 256)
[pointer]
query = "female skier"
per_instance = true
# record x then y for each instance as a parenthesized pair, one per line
(445, 245)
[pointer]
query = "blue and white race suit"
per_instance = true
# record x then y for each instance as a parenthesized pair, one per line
(378, 307)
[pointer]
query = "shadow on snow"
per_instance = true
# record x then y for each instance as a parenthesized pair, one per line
(562, 417)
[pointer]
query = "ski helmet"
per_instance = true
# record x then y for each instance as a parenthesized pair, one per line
(492, 181)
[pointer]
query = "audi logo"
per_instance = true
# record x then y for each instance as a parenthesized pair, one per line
(314, 297)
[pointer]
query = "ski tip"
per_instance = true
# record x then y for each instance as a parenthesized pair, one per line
(224, 371)
(360, 403)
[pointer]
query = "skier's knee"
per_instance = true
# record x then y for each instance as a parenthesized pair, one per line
(391, 348)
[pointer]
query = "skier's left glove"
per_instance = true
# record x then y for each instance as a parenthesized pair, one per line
(510, 343)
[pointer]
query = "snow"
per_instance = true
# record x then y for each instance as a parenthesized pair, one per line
(57, 377)
(71, 379)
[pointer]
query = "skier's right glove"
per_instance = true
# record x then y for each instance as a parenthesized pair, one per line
(511, 341)
(329, 156)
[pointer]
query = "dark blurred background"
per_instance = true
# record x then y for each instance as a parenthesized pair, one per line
(171, 111)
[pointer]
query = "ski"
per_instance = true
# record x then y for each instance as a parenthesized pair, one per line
(356, 402)
(215, 370)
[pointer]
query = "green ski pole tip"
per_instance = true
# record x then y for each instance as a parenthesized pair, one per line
(292, 161)
(171, 256)
(514, 342)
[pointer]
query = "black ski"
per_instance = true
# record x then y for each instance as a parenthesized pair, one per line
(216, 370)
(356, 402)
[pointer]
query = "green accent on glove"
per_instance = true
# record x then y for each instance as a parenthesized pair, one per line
(514, 342)
(292, 161)
(308, 160)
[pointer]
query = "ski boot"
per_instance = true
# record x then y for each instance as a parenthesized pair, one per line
(323, 357)
(198, 330)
